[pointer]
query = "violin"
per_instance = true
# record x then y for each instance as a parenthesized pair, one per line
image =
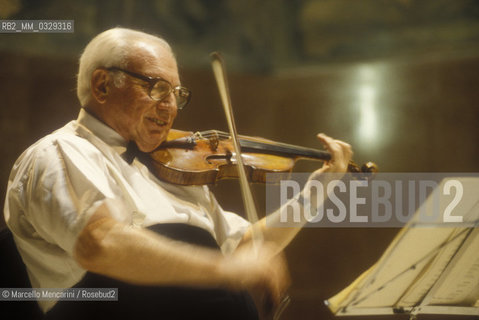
(188, 158)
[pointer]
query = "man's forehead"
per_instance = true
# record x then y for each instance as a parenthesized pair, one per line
(153, 56)
(153, 49)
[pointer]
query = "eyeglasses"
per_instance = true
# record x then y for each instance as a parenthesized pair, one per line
(159, 89)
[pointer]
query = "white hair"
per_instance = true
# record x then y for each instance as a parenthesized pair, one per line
(111, 48)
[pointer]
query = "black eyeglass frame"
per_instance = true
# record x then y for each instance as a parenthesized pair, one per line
(153, 81)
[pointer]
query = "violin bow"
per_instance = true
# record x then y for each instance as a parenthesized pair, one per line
(219, 72)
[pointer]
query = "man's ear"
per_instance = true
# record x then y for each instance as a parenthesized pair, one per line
(100, 80)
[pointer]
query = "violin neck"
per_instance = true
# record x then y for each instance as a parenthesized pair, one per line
(250, 145)
(283, 149)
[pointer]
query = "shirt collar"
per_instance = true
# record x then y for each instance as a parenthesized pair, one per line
(102, 131)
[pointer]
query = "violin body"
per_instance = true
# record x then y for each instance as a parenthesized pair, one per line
(200, 158)
(208, 159)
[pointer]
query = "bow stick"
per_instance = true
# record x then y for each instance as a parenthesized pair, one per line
(219, 72)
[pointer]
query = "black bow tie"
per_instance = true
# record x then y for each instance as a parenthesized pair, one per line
(131, 152)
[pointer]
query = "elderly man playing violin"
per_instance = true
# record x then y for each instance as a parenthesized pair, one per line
(84, 217)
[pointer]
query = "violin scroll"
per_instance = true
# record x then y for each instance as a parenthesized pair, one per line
(366, 171)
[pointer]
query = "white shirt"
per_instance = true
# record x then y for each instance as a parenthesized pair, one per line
(57, 184)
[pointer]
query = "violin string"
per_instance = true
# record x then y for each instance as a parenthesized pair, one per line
(223, 135)
(214, 133)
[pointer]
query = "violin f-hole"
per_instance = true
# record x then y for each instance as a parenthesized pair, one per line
(227, 156)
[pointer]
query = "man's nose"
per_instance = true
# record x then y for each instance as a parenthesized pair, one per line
(170, 100)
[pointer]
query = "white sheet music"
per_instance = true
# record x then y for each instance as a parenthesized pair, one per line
(432, 272)
(459, 284)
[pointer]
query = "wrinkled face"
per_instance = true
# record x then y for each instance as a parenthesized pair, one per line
(131, 111)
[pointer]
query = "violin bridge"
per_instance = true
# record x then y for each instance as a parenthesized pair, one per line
(214, 141)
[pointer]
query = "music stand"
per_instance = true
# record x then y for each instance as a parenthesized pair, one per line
(428, 268)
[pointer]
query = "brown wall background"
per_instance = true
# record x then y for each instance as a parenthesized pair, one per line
(423, 103)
